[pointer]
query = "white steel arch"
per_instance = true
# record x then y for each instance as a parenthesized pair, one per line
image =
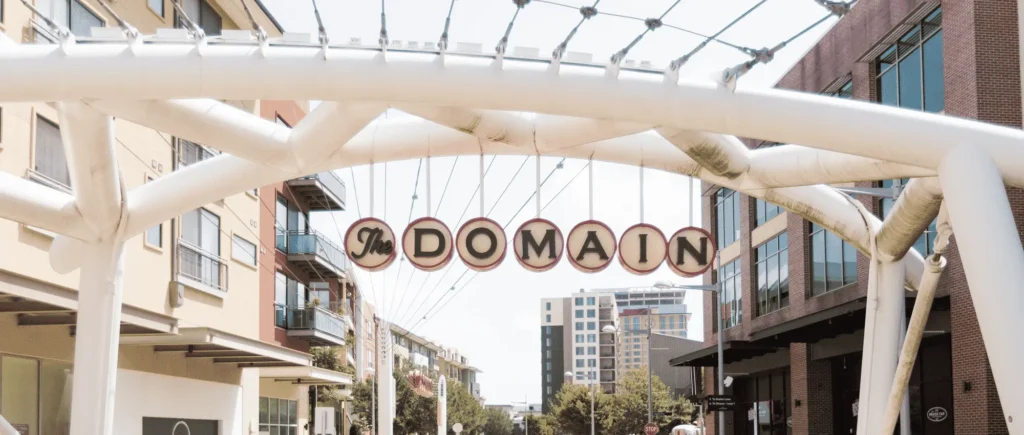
(470, 105)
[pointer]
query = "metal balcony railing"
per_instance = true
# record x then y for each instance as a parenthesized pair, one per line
(322, 191)
(204, 267)
(311, 243)
(316, 319)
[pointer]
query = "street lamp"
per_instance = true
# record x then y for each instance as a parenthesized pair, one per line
(717, 289)
(569, 375)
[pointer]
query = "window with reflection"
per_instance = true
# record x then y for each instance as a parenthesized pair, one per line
(910, 71)
(833, 261)
(773, 274)
(727, 213)
(731, 295)
(764, 211)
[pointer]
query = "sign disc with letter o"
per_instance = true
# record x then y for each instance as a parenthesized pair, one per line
(591, 246)
(427, 243)
(538, 244)
(370, 244)
(642, 249)
(481, 244)
(691, 251)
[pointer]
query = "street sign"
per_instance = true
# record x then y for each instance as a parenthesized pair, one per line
(650, 429)
(720, 402)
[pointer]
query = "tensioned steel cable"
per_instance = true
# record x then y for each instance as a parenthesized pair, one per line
(686, 57)
(652, 25)
(445, 190)
(588, 13)
(442, 44)
(508, 185)
(412, 204)
(503, 43)
(383, 40)
(766, 55)
(448, 267)
(324, 40)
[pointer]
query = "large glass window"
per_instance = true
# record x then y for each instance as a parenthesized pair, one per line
(910, 71)
(278, 416)
(765, 211)
(727, 213)
(243, 250)
(72, 14)
(156, 6)
(833, 261)
(773, 274)
(731, 294)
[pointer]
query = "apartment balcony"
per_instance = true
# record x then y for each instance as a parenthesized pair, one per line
(313, 253)
(317, 324)
(607, 339)
(323, 191)
(201, 270)
(608, 364)
(608, 375)
(607, 351)
(608, 388)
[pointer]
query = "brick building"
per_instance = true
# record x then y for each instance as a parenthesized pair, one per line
(795, 293)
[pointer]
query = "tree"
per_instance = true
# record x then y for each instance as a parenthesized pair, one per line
(413, 413)
(497, 422)
(571, 410)
(464, 408)
(330, 358)
(539, 425)
(629, 406)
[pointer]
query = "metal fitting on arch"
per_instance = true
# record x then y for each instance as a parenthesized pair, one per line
(588, 12)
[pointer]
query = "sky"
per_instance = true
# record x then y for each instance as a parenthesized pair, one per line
(493, 318)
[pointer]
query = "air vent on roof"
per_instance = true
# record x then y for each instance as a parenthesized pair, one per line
(530, 52)
(236, 35)
(470, 47)
(297, 37)
(577, 57)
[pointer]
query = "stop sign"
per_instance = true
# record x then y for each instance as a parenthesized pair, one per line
(651, 429)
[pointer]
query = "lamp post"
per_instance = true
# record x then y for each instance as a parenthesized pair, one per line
(593, 419)
(717, 289)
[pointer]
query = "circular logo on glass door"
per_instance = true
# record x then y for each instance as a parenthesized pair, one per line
(937, 414)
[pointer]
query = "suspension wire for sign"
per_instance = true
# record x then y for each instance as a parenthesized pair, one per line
(412, 205)
(428, 185)
(590, 181)
(482, 174)
(445, 190)
(372, 187)
(641, 193)
(537, 193)
(505, 190)
(689, 198)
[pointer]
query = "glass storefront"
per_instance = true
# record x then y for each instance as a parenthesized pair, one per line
(763, 405)
(35, 395)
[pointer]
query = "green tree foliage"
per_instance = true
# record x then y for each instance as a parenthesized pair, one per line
(464, 408)
(571, 410)
(539, 425)
(497, 422)
(628, 413)
(413, 413)
(330, 358)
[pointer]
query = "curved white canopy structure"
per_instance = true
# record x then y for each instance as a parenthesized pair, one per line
(475, 105)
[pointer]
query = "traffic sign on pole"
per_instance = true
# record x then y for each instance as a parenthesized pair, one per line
(651, 429)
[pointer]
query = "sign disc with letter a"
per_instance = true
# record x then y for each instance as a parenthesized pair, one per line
(538, 244)
(591, 246)
(427, 244)
(370, 244)
(691, 251)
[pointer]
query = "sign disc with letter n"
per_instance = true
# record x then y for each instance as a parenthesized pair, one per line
(691, 251)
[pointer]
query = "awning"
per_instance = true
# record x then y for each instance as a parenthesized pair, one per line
(305, 376)
(843, 319)
(222, 348)
(732, 351)
(42, 304)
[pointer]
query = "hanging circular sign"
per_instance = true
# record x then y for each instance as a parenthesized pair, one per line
(642, 249)
(937, 414)
(591, 246)
(427, 243)
(538, 244)
(370, 244)
(481, 244)
(691, 251)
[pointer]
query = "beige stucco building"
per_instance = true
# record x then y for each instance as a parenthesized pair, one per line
(191, 346)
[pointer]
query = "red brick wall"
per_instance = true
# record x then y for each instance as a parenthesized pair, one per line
(811, 385)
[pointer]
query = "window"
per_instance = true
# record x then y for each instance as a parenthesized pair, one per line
(71, 14)
(200, 247)
(288, 220)
(727, 213)
(579, 363)
(591, 350)
(833, 261)
(925, 243)
(579, 351)
(590, 301)
(547, 330)
(579, 314)
(156, 6)
(773, 274)
(154, 236)
(845, 91)
(764, 211)
(910, 71)
(548, 353)
(731, 294)
(591, 326)
(190, 153)
(591, 363)
(50, 160)
(547, 318)
(278, 416)
(579, 338)
(578, 301)
(591, 338)
(243, 250)
(201, 13)
(591, 314)
(547, 306)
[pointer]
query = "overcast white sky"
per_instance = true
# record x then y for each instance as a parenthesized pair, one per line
(495, 319)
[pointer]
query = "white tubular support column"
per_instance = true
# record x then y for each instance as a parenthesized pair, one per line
(913, 211)
(489, 125)
(993, 260)
(327, 129)
(96, 339)
(89, 143)
(915, 331)
(723, 155)
(795, 165)
(40, 206)
(385, 381)
(211, 123)
(884, 315)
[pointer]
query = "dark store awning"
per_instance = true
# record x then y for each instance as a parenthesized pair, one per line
(833, 322)
(732, 351)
